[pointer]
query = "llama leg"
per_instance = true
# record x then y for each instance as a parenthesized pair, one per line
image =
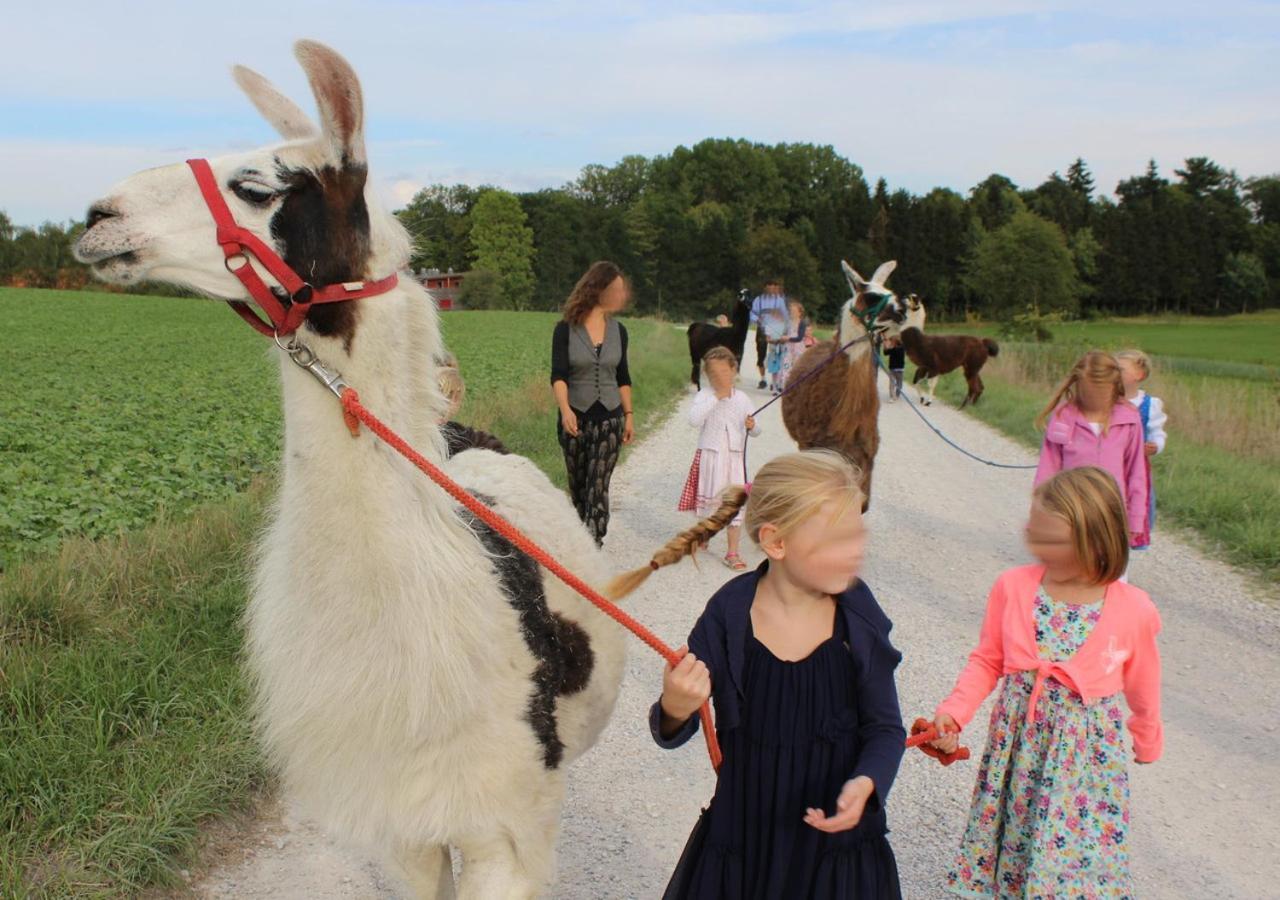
(518, 859)
(933, 386)
(490, 871)
(976, 387)
(428, 872)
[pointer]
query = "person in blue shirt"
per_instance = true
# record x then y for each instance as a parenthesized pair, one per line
(771, 298)
(797, 658)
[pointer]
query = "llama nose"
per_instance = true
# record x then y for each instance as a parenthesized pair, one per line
(97, 213)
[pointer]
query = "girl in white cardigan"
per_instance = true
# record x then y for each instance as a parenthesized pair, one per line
(723, 414)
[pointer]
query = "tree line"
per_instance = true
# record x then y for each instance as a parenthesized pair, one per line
(693, 226)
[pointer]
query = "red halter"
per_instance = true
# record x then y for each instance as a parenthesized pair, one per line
(238, 243)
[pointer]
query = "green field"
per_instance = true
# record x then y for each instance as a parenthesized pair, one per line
(133, 427)
(1219, 476)
(124, 409)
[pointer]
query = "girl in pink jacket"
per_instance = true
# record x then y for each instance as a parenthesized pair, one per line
(1050, 813)
(1089, 423)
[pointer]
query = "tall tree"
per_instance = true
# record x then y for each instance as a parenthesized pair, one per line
(995, 201)
(772, 251)
(1023, 265)
(503, 245)
(438, 221)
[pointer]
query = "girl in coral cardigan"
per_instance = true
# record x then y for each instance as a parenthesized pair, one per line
(1089, 423)
(1050, 813)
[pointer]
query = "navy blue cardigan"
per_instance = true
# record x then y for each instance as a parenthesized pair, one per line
(719, 638)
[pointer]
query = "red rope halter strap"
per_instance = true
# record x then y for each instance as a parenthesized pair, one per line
(922, 732)
(239, 243)
(353, 408)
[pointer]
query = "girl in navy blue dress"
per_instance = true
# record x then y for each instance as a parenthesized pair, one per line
(796, 656)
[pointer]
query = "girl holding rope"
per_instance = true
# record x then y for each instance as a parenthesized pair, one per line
(797, 658)
(1050, 812)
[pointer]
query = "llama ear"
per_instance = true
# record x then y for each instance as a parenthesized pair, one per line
(283, 114)
(883, 272)
(338, 96)
(856, 281)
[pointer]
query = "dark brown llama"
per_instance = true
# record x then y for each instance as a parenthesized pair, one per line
(703, 336)
(938, 354)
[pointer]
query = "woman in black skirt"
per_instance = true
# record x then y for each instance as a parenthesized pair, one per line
(592, 385)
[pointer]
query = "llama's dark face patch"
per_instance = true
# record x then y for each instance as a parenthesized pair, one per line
(561, 647)
(323, 226)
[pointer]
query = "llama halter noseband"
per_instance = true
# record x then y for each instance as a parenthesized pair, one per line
(239, 243)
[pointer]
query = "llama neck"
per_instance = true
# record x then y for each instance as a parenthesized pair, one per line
(390, 362)
(852, 331)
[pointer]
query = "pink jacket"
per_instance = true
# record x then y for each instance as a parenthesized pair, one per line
(1120, 654)
(1070, 443)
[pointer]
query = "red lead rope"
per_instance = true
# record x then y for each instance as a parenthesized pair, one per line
(354, 411)
(353, 408)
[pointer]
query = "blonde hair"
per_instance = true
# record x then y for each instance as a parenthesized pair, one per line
(787, 491)
(1138, 358)
(1097, 366)
(724, 354)
(1089, 499)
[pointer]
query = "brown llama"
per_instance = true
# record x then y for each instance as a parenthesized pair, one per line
(938, 354)
(837, 407)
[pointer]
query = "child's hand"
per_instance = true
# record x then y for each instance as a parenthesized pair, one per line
(685, 686)
(950, 732)
(751, 423)
(1149, 448)
(849, 807)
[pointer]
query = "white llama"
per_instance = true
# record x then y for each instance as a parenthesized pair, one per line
(419, 684)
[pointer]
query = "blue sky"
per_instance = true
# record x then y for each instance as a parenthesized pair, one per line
(522, 95)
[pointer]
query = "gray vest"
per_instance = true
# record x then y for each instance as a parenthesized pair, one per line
(592, 379)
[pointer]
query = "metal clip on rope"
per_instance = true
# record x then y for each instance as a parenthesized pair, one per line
(305, 358)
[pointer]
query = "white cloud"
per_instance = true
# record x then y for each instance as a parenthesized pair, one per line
(523, 95)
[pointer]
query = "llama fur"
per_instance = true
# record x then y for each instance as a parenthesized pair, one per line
(838, 407)
(389, 643)
(703, 336)
(937, 354)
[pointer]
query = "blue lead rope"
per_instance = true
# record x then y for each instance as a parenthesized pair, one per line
(902, 394)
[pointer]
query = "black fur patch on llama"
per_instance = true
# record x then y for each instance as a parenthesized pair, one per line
(560, 646)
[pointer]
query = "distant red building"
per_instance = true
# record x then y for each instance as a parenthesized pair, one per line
(443, 286)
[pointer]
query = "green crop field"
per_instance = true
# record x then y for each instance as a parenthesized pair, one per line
(120, 410)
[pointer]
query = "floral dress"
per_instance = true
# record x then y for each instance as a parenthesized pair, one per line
(1050, 812)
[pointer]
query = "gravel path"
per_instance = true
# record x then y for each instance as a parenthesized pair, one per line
(942, 528)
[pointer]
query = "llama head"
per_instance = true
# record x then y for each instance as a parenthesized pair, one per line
(866, 294)
(915, 313)
(308, 198)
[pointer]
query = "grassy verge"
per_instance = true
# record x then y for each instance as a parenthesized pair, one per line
(121, 704)
(122, 722)
(1224, 485)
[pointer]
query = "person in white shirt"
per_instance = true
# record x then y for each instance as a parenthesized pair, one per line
(774, 299)
(724, 415)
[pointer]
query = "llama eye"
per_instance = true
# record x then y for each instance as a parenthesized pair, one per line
(253, 193)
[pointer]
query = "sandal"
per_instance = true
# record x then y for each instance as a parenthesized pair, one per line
(734, 561)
